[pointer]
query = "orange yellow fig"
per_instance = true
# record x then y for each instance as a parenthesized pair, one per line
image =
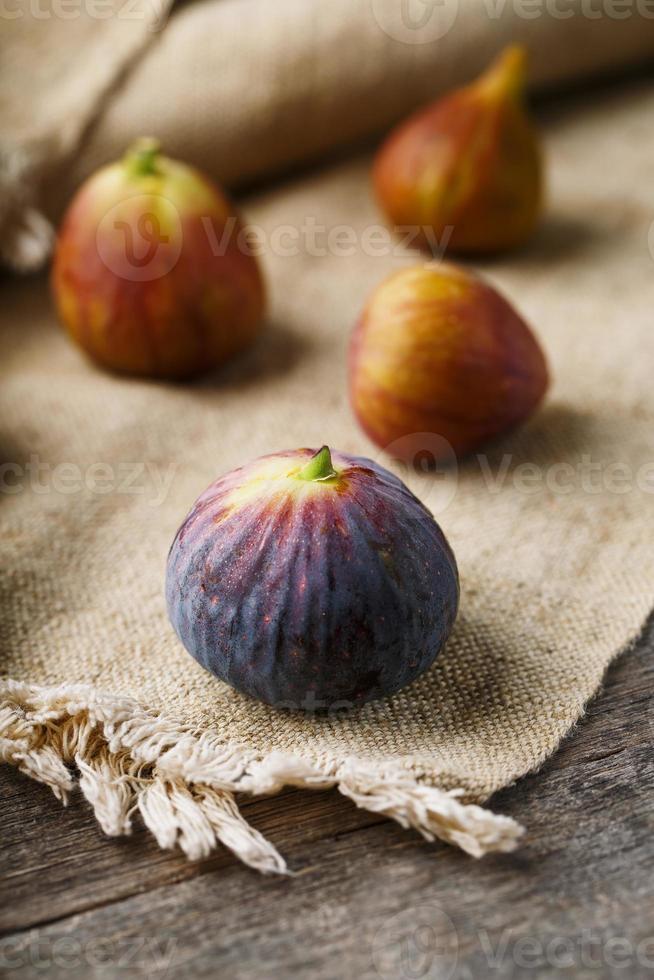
(151, 274)
(466, 172)
(439, 351)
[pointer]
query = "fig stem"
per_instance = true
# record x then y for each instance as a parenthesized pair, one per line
(507, 74)
(319, 466)
(141, 157)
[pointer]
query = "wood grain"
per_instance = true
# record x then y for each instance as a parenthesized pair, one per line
(368, 899)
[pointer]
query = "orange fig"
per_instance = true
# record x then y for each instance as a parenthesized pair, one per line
(438, 351)
(152, 275)
(466, 172)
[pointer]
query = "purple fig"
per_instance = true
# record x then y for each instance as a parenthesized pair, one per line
(307, 581)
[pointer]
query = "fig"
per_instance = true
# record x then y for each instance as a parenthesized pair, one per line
(309, 580)
(437, 350)
(150, 276)
(466, 172)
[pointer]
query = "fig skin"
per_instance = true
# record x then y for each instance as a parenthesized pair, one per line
(175, 311)
(466, 171)
(312, 592)
(437, 350)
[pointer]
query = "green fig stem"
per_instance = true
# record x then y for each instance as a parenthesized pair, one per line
(508, 73)
(319, 467)
(141, 157)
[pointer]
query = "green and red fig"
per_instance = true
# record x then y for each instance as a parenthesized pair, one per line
(466, 171)
(439, 351)
(152, 275)
(310, 579)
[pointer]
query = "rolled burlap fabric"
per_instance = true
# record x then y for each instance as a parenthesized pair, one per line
(59, 62)
(248, 88)
(552, 529)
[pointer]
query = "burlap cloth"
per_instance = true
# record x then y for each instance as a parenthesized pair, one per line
(245, 88)
(552, 529)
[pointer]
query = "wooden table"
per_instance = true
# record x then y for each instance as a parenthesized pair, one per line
(368, 899)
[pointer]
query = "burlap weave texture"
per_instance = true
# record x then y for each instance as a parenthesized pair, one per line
(556, 562)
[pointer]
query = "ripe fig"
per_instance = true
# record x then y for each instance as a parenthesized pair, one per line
(150, 276)
(466, 172)
(307, 580)
(438, 350)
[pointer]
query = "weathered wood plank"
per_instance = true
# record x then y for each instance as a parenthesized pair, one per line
(584, 878)
(58, 860)
(585, 872)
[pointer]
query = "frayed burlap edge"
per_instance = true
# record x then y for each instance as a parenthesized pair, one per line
(127, 758)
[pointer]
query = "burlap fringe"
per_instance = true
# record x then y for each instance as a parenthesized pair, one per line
(183, 782)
